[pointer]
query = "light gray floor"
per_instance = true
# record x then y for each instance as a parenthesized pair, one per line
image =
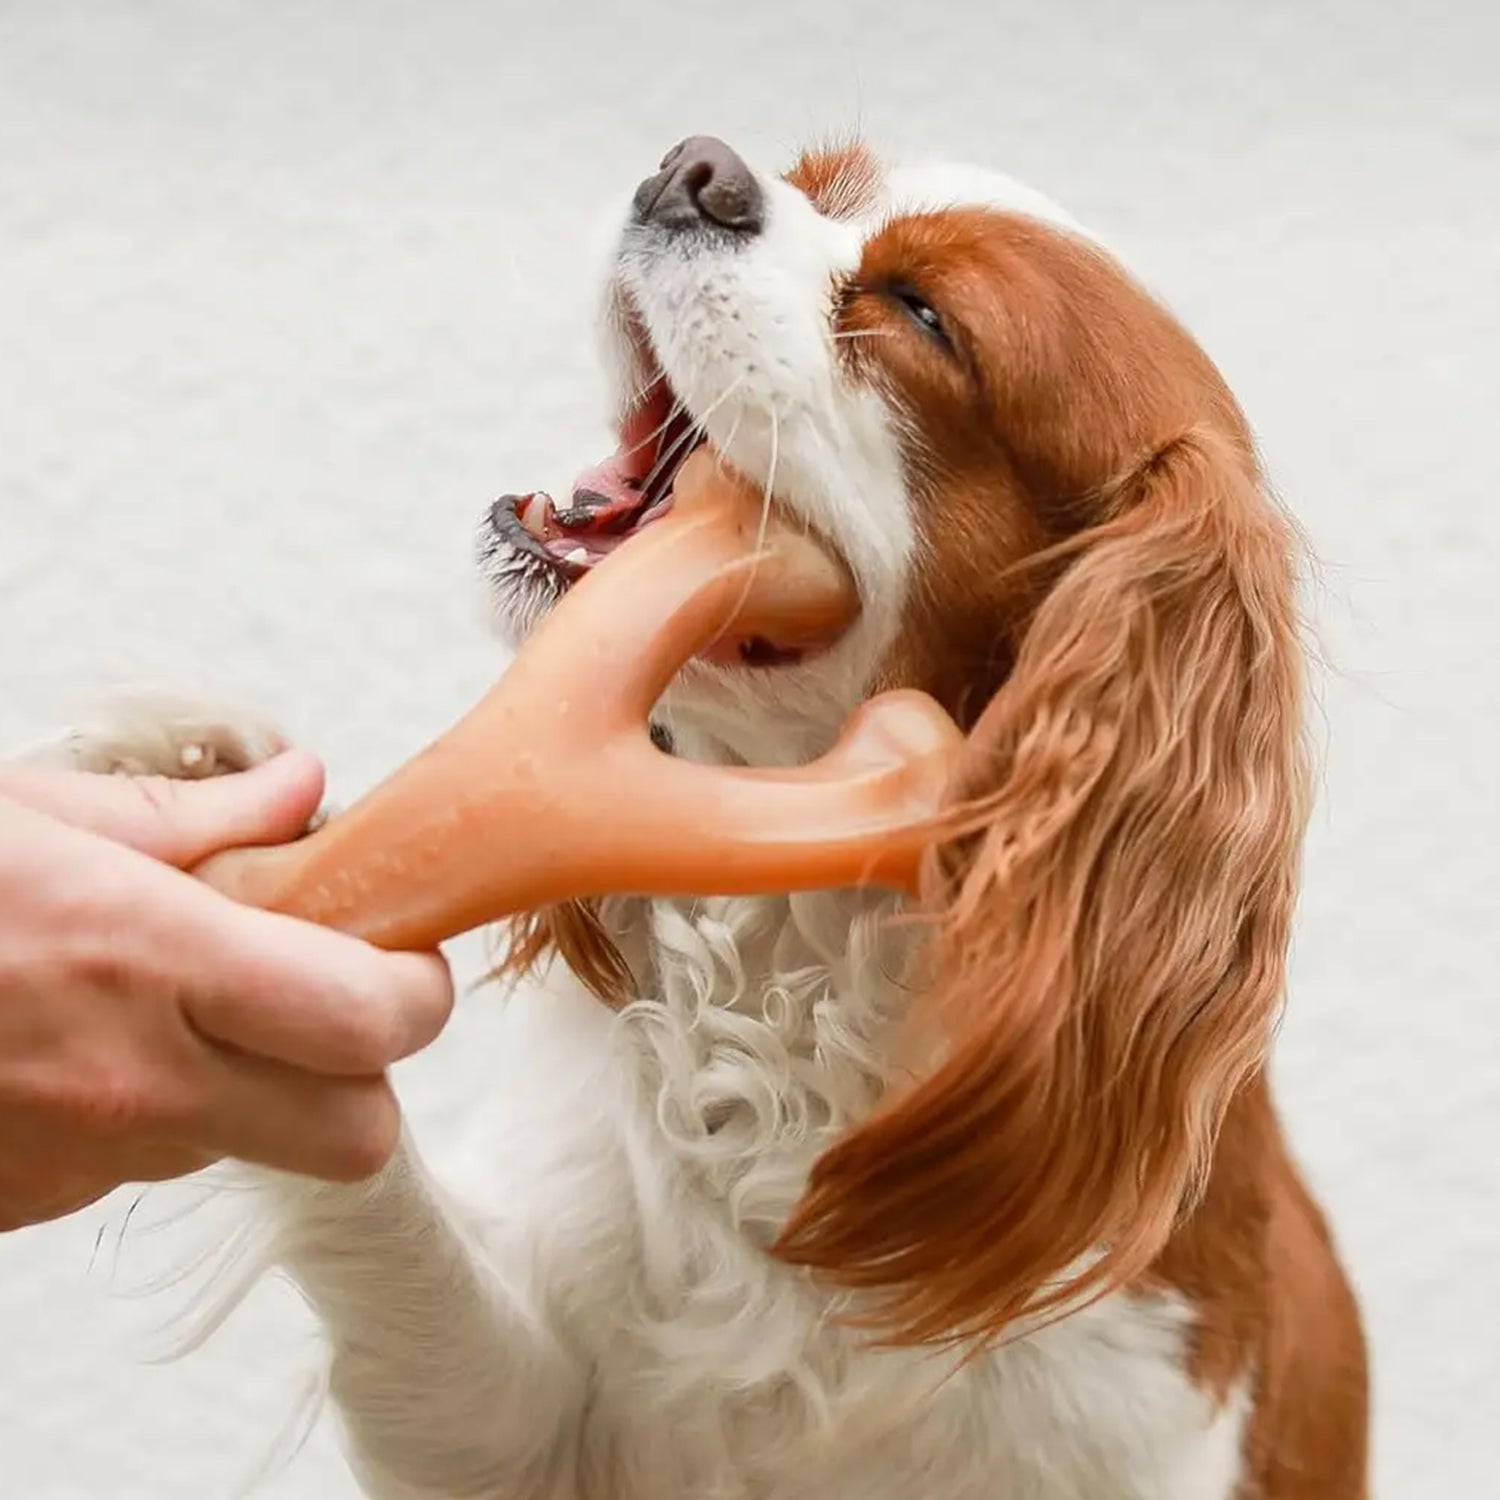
(287, 292)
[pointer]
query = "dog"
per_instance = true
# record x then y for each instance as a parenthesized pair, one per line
(838, 1195)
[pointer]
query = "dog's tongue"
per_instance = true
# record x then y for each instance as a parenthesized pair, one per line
(606, 498)
(628, 489)
(607, 503)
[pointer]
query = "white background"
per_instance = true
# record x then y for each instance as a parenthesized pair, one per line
(289, 292)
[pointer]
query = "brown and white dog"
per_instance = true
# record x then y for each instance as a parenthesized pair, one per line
(743, 1235)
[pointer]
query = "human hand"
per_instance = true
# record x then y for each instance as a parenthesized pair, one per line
(149, 1025)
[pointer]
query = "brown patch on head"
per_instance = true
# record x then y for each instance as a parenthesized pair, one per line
(841, 181)
(1040, 375)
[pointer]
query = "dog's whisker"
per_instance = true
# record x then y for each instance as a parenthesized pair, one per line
(722, 397)
(734, 427)
(691, 434)
(667, 457)
(676, 410)
(770, 486)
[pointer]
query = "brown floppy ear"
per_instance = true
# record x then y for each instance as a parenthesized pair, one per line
(575, 931)
(1112, 920)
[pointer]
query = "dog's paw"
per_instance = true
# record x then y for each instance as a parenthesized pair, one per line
(161, 734)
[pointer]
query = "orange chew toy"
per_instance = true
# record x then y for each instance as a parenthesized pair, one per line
(550, 787)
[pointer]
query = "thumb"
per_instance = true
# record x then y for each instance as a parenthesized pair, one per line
(179, 822)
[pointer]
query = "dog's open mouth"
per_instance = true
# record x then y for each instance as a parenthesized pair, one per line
(612, 500)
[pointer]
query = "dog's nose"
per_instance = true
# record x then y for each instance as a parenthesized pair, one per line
(702, 181)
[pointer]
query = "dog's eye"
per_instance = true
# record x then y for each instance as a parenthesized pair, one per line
(921, 312)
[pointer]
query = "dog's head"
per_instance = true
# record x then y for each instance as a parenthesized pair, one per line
(1053, 512)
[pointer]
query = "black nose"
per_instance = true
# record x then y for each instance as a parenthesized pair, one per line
(702, 181)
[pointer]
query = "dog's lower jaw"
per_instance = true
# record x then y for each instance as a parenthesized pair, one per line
(516, 593)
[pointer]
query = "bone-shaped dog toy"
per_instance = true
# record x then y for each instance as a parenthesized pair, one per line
(551, 787)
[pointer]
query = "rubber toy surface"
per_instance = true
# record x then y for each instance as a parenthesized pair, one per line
(550, 787)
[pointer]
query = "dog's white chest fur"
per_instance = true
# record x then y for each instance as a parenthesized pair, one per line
(599, 1319)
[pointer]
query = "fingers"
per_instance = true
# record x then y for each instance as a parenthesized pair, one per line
(315, 999)
(178, 822)
(154, 1024)
(258, 982)
(296, 1049)
(337, 1129)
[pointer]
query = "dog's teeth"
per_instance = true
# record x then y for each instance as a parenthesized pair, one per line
(532, 513)
(579, 555)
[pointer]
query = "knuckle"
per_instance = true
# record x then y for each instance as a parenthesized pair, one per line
(110, 1088)
(106, 968)
(179, 1102)
(107, 1100)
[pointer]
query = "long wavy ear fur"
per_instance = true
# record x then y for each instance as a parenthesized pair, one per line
(575, 931)
(1112, 922)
